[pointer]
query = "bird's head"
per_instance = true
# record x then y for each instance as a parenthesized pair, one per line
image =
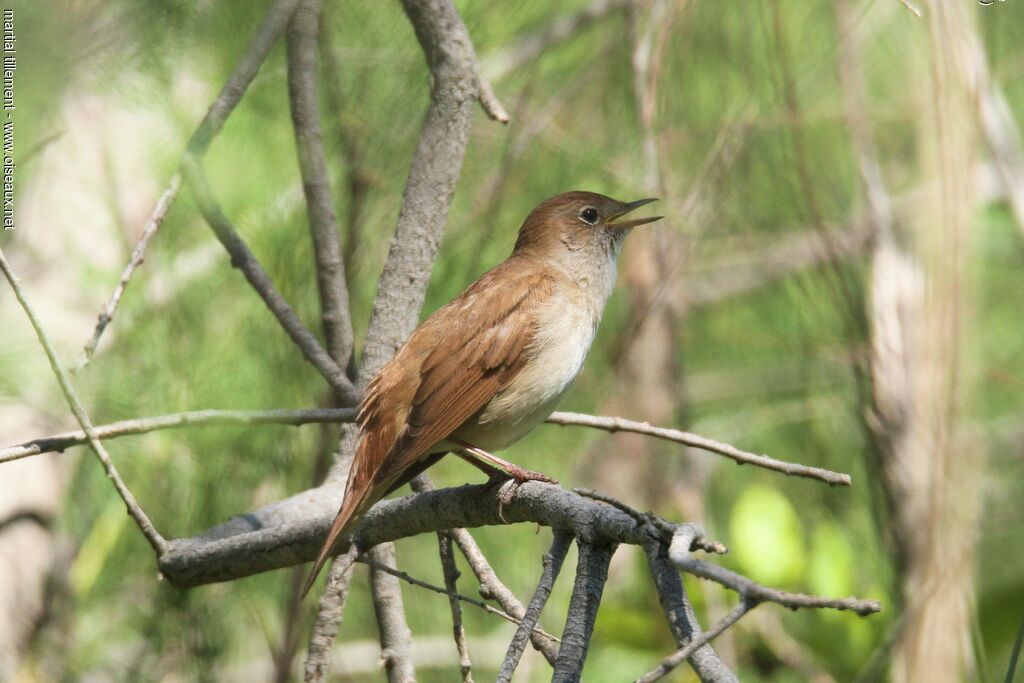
(579, 222)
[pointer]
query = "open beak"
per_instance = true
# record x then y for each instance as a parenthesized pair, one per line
(614, 222)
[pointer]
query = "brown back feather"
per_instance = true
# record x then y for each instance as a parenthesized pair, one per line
(455, 362)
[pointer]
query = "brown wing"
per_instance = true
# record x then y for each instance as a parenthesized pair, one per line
(447, 371)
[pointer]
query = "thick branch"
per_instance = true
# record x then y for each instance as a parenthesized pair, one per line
(290, 532)
(432, 176)
(591, 575)
(681, 618)
(331, 603)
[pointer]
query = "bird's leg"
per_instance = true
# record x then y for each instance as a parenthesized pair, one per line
(496, 469)
(490, 464)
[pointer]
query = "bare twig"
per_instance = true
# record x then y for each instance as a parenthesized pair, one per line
(353, 166)
(451, 576)
(491, 587)
(330, 269)
(680, 655)
(153, 224)
(910, 6)
(616, 424)
(679, 552)
(395, 636)
(332, 603)
(591, 574)
(681, 619)
(61, 442)
(552, 565)
(241, 257)
(137, 514)
(420, 583)
(530, 47)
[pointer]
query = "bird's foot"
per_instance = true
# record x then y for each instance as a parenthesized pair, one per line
(510, 475)
(515, 477)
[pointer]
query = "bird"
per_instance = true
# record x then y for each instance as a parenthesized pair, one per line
(480, 372)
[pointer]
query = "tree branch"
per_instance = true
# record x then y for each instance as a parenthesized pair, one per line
(303, 97)
(395, 636)
(241, 257)
(491, 587)
(136, 512)
(331, 603)
(591, 574)
(681, 619)
(61, 442)
(432, 176)
(552, 565)
(617, 424)
(679, 553)
(451, 577)
(680, 655)
(420, 583)
(156, 219)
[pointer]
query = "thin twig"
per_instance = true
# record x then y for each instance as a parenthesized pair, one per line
(683, 653)
(617, 424)
(679, 552)
(591, 575)
(61, 442)
(153, 224)
(331, 603)
(552, 565)
(241, 257)
(491, 587)
(157, 541)
(451, 577)
(395, 636)
(352, 166)
(530, 47)
(330, 269)
(913, 8)
(420, 583)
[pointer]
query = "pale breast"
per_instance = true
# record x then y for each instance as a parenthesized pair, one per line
(565, 330)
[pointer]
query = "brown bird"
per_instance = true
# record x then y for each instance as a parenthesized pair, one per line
(487, 367)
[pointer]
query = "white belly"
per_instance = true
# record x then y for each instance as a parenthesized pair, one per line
(556, 356)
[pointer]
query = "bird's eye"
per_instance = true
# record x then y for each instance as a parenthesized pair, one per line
(589, 215)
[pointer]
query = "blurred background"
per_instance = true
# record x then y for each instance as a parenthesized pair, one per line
(839, 281)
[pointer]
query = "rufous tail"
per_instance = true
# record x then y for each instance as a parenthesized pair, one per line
(358, 499)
